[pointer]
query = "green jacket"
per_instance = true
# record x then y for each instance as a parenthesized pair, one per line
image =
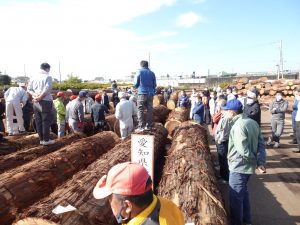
(60, 110)
(246, 149)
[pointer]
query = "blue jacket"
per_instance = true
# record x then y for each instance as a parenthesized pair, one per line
(145, 82)
(198, 113)
(294, 113)
(183, 101)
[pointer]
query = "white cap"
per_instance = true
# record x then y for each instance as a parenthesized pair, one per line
(22, 84)
(122, 94)
(251, 94)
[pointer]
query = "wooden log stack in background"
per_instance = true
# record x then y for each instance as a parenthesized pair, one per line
(188, 177)
(24, 185)
(78, 190)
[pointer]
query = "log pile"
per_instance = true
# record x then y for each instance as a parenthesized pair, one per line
(158, 100)
(17, 143)
(172, 102)
(175, 118)
(26, 155)
(78, 190)
(189, 179)
(24, 185)
(160, 114)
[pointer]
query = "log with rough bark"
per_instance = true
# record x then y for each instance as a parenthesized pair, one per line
(34, 221)
(243, 80)
(160, 114)
(158, 100)
(24, 185)
(78, 190)
(189, 179)
(171, 104)
(175, 118)
(26, 155)
(22, 142)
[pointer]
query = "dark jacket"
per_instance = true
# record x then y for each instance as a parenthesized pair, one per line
(27, 110)
(183, 101)
(2, 110)
(105, 101)
(98, 112)
(253, 111)
(198, 113)
(115, 98)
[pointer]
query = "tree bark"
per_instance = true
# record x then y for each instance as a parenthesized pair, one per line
(26, 155)
(189, 179)
(24, 185)
(78, 190)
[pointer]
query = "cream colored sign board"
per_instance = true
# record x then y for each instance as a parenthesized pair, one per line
(142, 151)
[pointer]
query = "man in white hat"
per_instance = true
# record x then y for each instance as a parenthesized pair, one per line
(15, 98)
(124, 112)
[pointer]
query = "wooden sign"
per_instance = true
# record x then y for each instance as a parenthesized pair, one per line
(142, 151)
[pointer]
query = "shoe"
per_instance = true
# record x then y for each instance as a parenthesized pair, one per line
(139, 130)
(23, 132)
(293, 142)
(41, 142)
(269, 142)
(10, 134)
(276, 145)
(50, 142)
(147, 128)
(296, 151)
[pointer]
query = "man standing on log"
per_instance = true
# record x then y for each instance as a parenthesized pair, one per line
(60, 113)
(246, 151)
(40, 88)
(76, 113)
(98, 111)
(145, 82)
(128, 187)
(124, 113)
(277, 109)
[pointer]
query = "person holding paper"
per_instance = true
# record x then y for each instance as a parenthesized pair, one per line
(128, 188)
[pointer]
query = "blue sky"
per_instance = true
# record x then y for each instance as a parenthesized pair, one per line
(95, 38)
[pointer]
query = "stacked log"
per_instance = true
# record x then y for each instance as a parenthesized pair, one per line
(24, 185)
(175, 118)
(26, 155)
(78, 190)
(160, 114)
(158, 100)
(189, 179)
(172, 102)
(21, 142)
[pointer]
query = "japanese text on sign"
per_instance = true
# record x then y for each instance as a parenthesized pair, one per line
(142, 151)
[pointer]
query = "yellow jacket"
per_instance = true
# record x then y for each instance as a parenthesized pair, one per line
(169, 213)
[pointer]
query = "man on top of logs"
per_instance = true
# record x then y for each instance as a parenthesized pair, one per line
(40, 88)
(98, 111)
(246, 152)
(277, 109)
(128, 187)
(145, 82)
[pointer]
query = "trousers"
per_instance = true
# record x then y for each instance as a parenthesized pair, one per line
(145, 101)
(240, 211)
(43, 118)
(11, 108)
(277, 129)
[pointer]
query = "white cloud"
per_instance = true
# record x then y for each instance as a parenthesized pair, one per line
(83, 35)
(188, 20)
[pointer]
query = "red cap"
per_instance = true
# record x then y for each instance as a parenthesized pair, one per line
(124, 179)
(60, 94)
(73, 97)
(98, 97)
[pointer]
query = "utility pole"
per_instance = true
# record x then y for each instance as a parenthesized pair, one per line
(278, 71)
(59, 74)
(24, 70)
(281, 59)
(149, 56)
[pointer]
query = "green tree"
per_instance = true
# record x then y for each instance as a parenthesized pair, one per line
(72, 79)
(5, 80)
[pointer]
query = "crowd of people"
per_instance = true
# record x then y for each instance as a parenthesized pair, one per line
(235, 120)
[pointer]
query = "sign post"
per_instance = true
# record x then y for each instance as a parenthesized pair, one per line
(142, 151)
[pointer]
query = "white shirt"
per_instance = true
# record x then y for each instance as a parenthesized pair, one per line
(16, 95)
(124, 112)
(230, 97)
(297, 118)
